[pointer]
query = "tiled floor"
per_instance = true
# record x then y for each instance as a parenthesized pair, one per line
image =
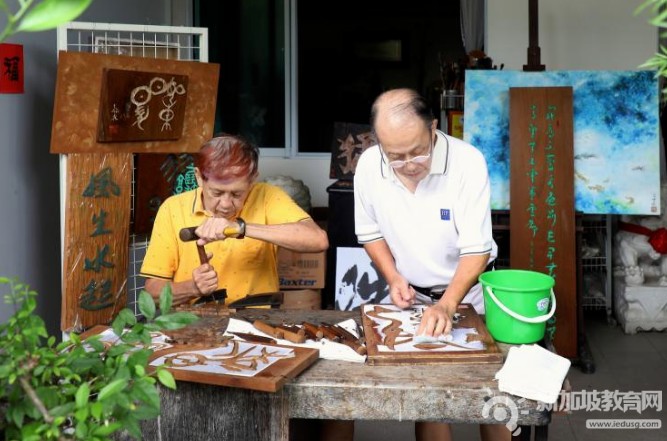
(624, 363)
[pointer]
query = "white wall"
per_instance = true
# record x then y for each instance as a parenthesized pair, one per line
(573, 34)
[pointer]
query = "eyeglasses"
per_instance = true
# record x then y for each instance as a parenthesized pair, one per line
(417, 159)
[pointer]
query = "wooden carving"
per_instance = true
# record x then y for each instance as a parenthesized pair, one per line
(78, 95)
(141, 106)
(235, 363)
(97, 219)
(390, 338)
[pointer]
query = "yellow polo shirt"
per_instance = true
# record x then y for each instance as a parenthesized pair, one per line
(244, 266)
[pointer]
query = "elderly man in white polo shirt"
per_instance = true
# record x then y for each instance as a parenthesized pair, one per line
(422, 212)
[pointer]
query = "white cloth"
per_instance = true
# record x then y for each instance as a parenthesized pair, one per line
(448, 216)
(328, 349)
(533, 372)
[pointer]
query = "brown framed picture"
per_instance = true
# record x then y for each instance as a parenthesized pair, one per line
(455, 123)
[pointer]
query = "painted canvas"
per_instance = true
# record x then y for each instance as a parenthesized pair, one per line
(616, 134)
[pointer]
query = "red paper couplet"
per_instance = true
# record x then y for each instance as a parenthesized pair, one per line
(11, 68)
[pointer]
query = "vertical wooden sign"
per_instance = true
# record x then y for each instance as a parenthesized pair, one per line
(542, 219)
(97, 222)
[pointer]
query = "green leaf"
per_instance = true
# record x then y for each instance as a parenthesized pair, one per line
(82, 394)
(81, 430)
(176, 320)
(166, 298)
(146, 393)
(146, 305)
(50, 13)
(96, 410)
(111, 389)
(81, 414)
(107, 429)
(139, 357)
(132, 426)
(166, 378)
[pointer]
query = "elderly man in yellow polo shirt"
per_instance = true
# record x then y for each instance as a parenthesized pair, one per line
(262, 216)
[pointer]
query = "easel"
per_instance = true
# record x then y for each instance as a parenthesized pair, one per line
(568, 342)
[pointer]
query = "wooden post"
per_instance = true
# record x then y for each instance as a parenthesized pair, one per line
(542, 220)
(534, 63)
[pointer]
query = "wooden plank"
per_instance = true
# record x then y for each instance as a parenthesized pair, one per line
(78, 96)
(542, 221)
(383, 352)
(97, 219)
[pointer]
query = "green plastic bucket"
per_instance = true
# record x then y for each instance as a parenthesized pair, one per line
(516, 303)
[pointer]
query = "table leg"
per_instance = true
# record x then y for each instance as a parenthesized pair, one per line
(206, 412)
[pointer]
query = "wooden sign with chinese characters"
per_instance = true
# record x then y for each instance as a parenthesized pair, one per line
(349, 142)
(97, 220)
(390, 338)
(542, 218)
(78, 95)
(141, 106)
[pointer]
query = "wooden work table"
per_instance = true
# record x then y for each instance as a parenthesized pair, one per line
(338, 390)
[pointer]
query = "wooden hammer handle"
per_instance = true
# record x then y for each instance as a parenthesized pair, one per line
(294, 337)
(268, 329)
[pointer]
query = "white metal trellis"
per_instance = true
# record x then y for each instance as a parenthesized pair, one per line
(150, 41)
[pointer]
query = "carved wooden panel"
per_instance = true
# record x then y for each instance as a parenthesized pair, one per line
(141, 106)
(97, 219)
(542, 220)
(78, 96)
(236, 364)
(390, 338)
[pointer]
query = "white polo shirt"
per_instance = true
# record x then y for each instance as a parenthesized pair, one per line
(448, 216)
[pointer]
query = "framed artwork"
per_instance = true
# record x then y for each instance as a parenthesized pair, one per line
(358, 281)
(455, 123)
(616, 135)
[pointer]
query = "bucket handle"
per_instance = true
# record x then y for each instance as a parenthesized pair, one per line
(540, 319)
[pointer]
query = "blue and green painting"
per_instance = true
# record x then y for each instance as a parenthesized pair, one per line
(616, 135)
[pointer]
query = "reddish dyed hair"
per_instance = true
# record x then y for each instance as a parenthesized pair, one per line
(227, 157)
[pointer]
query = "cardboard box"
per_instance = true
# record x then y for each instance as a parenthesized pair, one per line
(302, 299)
(301, 270)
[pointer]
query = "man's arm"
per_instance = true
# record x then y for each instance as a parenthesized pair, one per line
(399, 290)
(303, 236)
(438, 318)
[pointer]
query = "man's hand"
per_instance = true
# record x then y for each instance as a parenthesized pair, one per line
(401, 293)
(205, 279)
(214, 229)
(437, 320)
